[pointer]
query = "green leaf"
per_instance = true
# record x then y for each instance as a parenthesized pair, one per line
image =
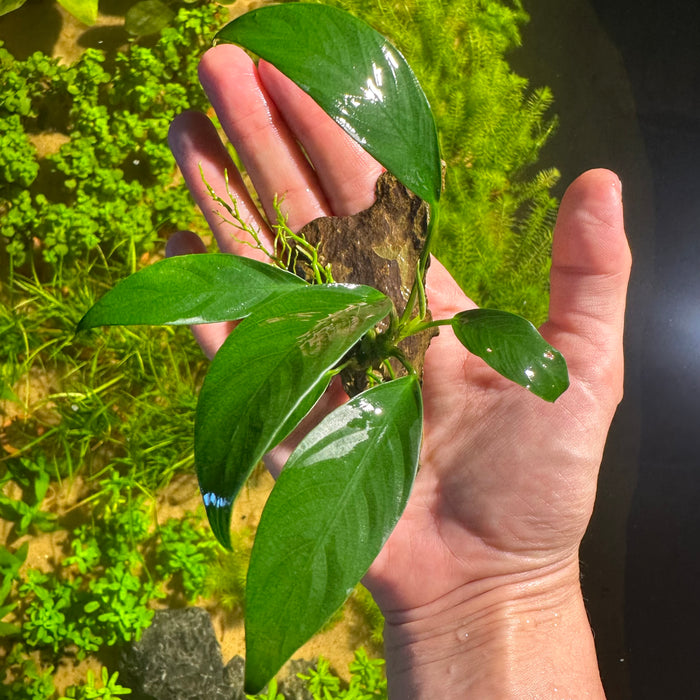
(305, 405)
(513, 347)
(9, 630)
(10, 563)
(6, 393)
(332, 509)
(265, 369)
(84, 10)
(190, 289)
(357, 77)
(10, 5)
(147, 17)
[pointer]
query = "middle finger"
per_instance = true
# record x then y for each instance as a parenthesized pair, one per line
(267, 148)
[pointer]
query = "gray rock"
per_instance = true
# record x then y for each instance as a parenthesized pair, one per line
(292, 687)
(177, 658)
(234, 677)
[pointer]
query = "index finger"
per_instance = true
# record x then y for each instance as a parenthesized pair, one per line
(346, 172)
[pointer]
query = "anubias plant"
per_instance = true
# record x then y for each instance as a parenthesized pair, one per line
(345, 486)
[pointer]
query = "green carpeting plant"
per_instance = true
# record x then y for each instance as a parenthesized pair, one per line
(107, 190)
(296, 335)
(367, 680)
(184, 553)
(33, 477)
(105, 688)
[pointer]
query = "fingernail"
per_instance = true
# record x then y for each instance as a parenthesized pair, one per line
(617, 185)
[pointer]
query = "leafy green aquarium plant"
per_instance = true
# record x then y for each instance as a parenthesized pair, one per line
(143, 18)
(84, 10)
(347, 483)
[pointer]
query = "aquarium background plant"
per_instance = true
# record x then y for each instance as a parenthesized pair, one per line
(116, 417)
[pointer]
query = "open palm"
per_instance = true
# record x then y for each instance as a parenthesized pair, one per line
(507, 481)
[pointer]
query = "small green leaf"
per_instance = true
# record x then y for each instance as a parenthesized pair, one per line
(6, 393)
(357, 77)
(9, 630)
(190, 289)
(332, 509)
(84, 10)
(513, 347)
(147, 17)
(271, 363)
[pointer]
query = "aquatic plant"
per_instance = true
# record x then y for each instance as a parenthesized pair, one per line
(106, 190)
(308, 552)
(84, 10)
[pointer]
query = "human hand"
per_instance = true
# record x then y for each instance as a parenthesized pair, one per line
(507, 481)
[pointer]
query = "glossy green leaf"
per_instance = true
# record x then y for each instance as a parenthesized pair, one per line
(514, 348)
(357, 77)
(84, 10)
(267, 367)
(332, 509)
(190, 289)
(300, 412)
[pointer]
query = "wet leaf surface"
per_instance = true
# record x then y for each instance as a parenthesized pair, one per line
(514, 348)
(329, 514)
(190, 289)
(357, 77)
(269, 366)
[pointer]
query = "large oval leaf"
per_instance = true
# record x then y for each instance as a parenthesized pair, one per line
(190, 289)
(332, 509)
(267, 367)
(513, 347)
(148, 17)
(357, 77)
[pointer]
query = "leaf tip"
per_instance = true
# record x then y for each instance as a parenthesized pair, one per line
(219, 510)
(83, 324)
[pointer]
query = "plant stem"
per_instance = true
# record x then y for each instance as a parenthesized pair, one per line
(417, 326)
(418, 288)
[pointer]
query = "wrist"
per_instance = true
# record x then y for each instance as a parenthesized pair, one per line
(513, 637)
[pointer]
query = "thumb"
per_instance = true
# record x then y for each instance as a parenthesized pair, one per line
(590, 271)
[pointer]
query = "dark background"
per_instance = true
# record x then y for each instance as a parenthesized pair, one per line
(626, 81)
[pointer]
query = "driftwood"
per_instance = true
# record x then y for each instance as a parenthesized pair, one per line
(379, 247)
